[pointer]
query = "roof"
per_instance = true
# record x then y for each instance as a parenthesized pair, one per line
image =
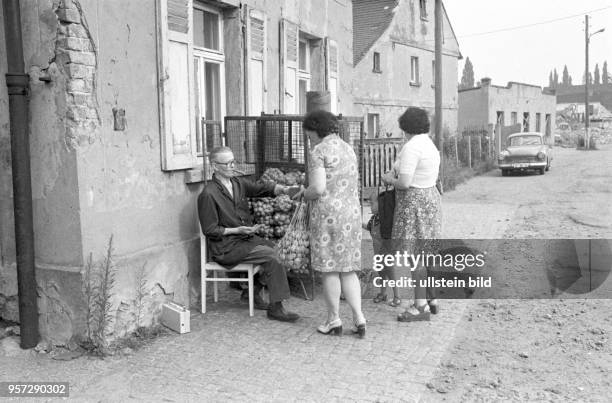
(370, 20)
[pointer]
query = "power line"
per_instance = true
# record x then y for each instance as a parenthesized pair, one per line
(534, 24)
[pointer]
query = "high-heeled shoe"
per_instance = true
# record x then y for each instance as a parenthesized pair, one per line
(360, 329)
(334, 328)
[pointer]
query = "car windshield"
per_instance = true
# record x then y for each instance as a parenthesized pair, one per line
(525, 140)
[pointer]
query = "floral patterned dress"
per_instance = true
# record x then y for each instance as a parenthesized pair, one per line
(335, 218)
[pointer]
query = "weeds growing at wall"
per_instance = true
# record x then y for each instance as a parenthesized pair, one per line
(141, 292)
(99, 283)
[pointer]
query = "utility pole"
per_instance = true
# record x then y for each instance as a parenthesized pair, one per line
(587, 112)
(438, 84)
(586, 82)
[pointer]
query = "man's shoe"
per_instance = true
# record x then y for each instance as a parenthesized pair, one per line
(258, 301)
(278, 312)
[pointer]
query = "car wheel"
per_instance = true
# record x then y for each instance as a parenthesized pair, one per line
(542, 171)
(504, 172)
(547, 165)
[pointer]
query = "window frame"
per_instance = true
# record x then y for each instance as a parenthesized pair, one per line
(526, 121)
(423, 10)
(373, 119)
(202, 56)
(415, 77)
(513, 118)
(303, 75)
(376, 62)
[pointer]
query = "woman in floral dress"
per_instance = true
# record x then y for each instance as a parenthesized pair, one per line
(417, 220)
(335, 219)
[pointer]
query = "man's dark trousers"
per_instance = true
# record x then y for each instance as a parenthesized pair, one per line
(273, 274)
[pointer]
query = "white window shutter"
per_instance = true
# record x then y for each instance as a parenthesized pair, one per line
(256, 54)
(332, 78)
(175, 75)
(289, 66)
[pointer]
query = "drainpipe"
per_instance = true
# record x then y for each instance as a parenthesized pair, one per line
(17, 83)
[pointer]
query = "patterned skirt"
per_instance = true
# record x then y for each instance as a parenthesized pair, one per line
(417, 220)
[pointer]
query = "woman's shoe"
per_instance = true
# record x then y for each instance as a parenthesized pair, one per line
(334, 328)
(395, 302)
(360, 328)
(434, 308)
(380, 298)
(407, 316)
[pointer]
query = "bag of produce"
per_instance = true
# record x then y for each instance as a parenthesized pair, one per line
(294, 248)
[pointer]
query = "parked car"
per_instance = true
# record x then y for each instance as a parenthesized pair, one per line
(525, 151)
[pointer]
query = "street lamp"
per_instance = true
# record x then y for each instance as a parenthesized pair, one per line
(587, 38)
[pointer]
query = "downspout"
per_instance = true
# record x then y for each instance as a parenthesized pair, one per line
(17, 83)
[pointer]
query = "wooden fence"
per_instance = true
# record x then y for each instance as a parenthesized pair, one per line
(377, 158)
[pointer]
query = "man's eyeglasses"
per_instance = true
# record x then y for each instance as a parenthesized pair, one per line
(229, 164)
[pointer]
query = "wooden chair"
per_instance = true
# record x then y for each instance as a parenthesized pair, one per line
(216, 268)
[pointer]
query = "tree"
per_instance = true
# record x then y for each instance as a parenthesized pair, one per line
(467, 78)
(566, 77)
(550, 80)
(570, 80)
(555, 79)
(596, 74)
(584, 76)
(605, 78)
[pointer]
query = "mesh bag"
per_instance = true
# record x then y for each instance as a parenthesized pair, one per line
(294, 247)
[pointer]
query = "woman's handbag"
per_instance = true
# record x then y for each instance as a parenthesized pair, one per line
(386, 208)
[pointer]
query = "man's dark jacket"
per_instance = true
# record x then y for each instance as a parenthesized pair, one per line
(218, 210)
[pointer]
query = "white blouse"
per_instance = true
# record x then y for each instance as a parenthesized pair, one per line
(420, 159)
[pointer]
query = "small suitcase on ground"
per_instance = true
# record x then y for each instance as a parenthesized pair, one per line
(175, 317)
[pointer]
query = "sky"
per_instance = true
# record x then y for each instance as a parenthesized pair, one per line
(529, 54)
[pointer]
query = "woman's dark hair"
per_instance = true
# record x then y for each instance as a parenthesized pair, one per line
(321, 121)
(414, 121)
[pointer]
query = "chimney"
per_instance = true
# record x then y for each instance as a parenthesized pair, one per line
(485, 82)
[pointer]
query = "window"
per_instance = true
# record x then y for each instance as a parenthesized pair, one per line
(414, 70)
(373, 125)
(191, 77)
(547, 118)
(333, 73)
(304, 75)
(376, 63)
(538, 121)
(514, 118)
(525, 140)
(500, 118)
(525, 121)
(209, 78)
(423, 9)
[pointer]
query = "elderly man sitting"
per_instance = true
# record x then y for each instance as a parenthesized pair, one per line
(226, 221)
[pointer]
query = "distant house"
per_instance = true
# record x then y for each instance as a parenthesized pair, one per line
(524, 106)
(393, 57)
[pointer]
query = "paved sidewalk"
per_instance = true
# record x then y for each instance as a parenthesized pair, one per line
(231, 357)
